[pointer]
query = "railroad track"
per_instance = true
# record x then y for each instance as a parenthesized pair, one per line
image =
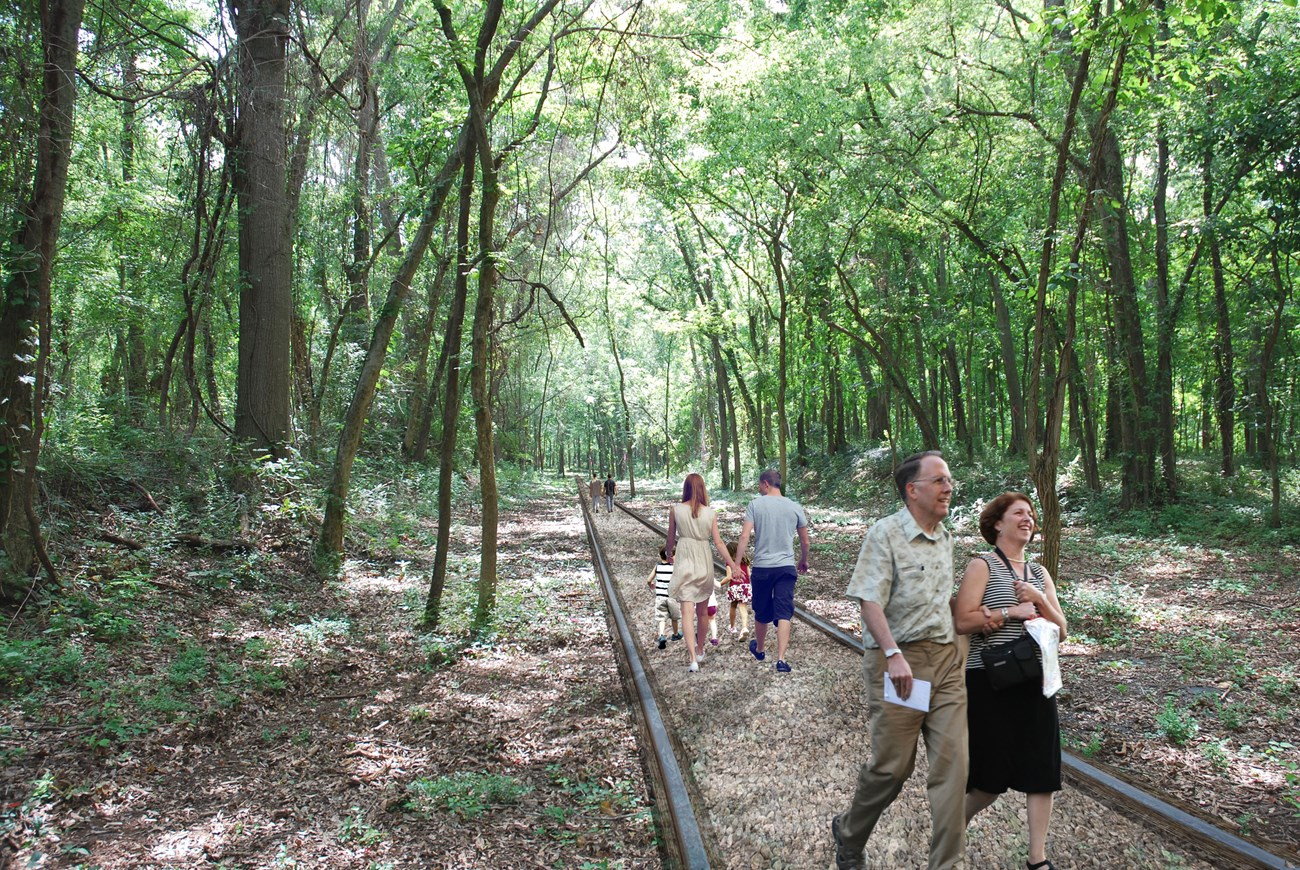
(698, 838)
(680, 834)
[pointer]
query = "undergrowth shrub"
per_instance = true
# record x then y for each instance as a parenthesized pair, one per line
(1100, 612)
(466, 794)
(1177, 725)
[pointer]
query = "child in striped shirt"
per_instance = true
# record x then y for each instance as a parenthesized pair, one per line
(666, 608)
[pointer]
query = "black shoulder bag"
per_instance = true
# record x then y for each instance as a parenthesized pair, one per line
(1014, 663)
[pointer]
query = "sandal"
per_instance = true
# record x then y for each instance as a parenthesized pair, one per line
(1041, 865)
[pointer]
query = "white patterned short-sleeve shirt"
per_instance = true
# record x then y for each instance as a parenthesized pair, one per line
(908, 572)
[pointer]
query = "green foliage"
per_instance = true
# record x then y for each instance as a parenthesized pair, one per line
(1233, 716)
(1233, 516)
(318, 631)
(1209, 657)
(355, 829)
(466, 794)
(1279, 687)
(597, 796)
(190, 667)
(441, 650)
(1177, 725)
(25, 662)
(1103, 612)
(1216, 752)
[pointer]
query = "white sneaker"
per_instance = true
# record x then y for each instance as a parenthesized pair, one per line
(699, 656)
(693, 667)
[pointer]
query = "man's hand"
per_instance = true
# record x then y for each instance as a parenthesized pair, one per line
(992, 621)
(900, 673)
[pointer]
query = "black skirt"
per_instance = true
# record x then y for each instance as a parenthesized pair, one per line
(1015, 738)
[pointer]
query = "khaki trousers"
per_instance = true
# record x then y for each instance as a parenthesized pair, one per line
(894, 731)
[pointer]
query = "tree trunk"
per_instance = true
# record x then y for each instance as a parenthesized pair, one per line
(419, 410)
(1207, 406)
(1163, 392)
(877, 396)
(482, 354)
(136, 380)
(782, 419)
(330, 544)
(1224, 374)
(735, 438)
(356, 310)
(958, 404)
(451, 394)
(1043, 459)
(265, 245)
(1138, 475)
(1010, 368)
(1268, 429)
(622, 382)
(877, 344)
(1087, 425)
(701, 283)
(724, 419)
(751, 410)
(29, 271)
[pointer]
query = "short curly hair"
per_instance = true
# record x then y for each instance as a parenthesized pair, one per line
(996, 509)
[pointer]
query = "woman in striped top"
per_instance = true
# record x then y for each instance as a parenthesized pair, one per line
(1015, 736)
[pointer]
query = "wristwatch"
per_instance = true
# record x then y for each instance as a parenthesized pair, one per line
(1006, 613)
(892, 651)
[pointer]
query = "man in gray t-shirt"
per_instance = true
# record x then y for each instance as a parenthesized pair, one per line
(773, 520)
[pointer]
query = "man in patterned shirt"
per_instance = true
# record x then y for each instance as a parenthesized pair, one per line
(903, 581)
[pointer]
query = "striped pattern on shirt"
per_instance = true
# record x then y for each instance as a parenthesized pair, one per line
(1000, 592)
(663, 578)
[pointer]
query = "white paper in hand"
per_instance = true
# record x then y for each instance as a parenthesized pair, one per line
(918, 700)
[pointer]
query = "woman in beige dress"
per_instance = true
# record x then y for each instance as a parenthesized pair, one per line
(691, 523)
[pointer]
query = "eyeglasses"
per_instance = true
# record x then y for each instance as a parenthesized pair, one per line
(943, 479)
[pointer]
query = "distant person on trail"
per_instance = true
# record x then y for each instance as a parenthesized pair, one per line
(773, 520)
(594, 488)
(1015, 735)
(903, 582)
(609, 494)
(691, 523)
(666, 609)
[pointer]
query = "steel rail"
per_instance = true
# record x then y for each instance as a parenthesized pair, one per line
(686, 845)
(1229, 850)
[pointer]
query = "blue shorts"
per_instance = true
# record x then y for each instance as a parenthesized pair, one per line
(773, 593)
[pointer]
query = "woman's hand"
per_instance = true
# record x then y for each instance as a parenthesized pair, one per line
(1028, 592)
(1031, 600)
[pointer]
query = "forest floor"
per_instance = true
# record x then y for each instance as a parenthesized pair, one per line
(199, 707)
(245, 715)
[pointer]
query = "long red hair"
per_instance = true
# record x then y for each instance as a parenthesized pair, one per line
(694, 493)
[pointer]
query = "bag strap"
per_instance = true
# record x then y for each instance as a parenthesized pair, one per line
(1010, 570)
